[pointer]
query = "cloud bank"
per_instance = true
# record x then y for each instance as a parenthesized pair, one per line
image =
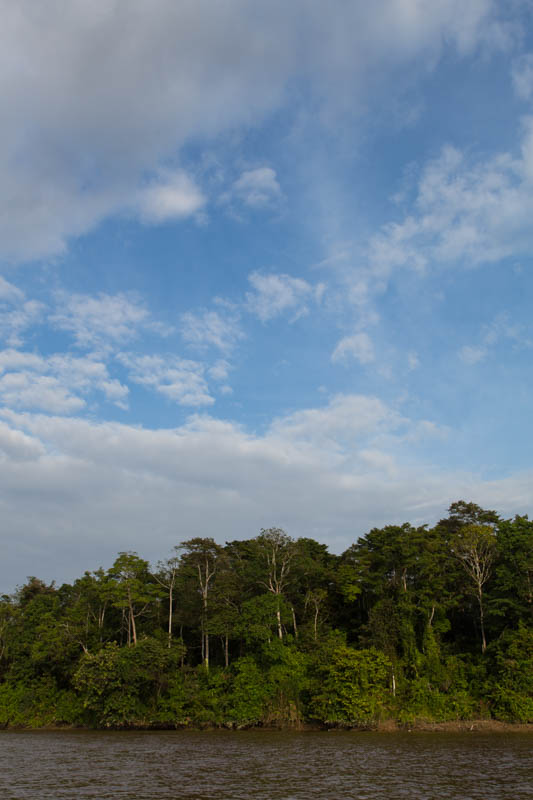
(98, 99)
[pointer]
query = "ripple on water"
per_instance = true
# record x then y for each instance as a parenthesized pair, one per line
(267, 765)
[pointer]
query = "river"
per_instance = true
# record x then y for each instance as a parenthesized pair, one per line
(264, 765)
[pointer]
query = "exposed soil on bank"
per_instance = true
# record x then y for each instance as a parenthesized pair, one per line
(386, 726)
(457, 726)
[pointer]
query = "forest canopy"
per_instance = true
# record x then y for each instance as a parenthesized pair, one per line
(409, 623)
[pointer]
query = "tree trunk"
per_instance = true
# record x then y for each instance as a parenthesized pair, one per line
(482, 622)
(170, 617)
(132, 619)
(278, 617)
(294, 623)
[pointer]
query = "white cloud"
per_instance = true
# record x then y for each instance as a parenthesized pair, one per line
(15, 321)
(10, 292)
(358, 346)
(331, 473)
(218, 329)
(173, 196)
(27, 390)
(346, 418)
(57, 384)
(95, 96)
(491, 335)
(100, 321)
(220, 370)
(17, 446)
(178, 379)
(471, 354)
(16, 313)
(274, 294)
(257, 188)
(522, 75)
(465, 213)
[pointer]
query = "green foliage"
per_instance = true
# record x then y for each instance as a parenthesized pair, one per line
(121, 685)
(353, 688)
(512, 685)
(287, 674)
(38, 704)
(276, 631)
(250, 693)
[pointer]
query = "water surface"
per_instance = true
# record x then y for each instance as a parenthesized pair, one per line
(263, 765)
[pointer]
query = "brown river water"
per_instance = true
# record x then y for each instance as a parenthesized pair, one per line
(267, 765)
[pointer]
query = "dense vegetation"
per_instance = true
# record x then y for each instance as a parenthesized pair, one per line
(408, 624)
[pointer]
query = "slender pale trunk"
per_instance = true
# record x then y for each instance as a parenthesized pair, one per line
(170, 616)
(101, 618)
(226, 650)
(205, 633)
(278, 617)
(294, 623)
(482, 622)
(132, 619)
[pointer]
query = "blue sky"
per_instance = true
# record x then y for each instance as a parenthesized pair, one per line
(261, 264)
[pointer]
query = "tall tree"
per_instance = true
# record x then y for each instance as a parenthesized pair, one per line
(202, 556)
(166, 576)
(132, 591)
(475, 547)
(276, 549)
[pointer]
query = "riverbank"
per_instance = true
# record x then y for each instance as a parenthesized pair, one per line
(386, 726)
(456, 726)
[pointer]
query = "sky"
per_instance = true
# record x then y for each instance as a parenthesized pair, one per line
(261, 264)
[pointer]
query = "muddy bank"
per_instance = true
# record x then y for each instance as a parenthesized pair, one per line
(456, 726)
(385, 726)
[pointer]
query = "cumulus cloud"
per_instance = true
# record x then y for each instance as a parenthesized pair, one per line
(358, 346)
(522, 75)
(58, 383)
(257, 188)
(465, 212)
(275, 294)
(95, 96)
(210, 477)
(100, 321)
(17, 314)
(17, 446)
(173, 196)
(178, 379)
(220, 370)
(9, 292)
(220, 329)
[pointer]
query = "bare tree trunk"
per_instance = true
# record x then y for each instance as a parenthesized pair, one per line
(132, 619)
(294, 623)
(170, 617)
(482, 622)
(278, 617)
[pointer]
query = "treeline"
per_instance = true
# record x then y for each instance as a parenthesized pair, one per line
(410, 623)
